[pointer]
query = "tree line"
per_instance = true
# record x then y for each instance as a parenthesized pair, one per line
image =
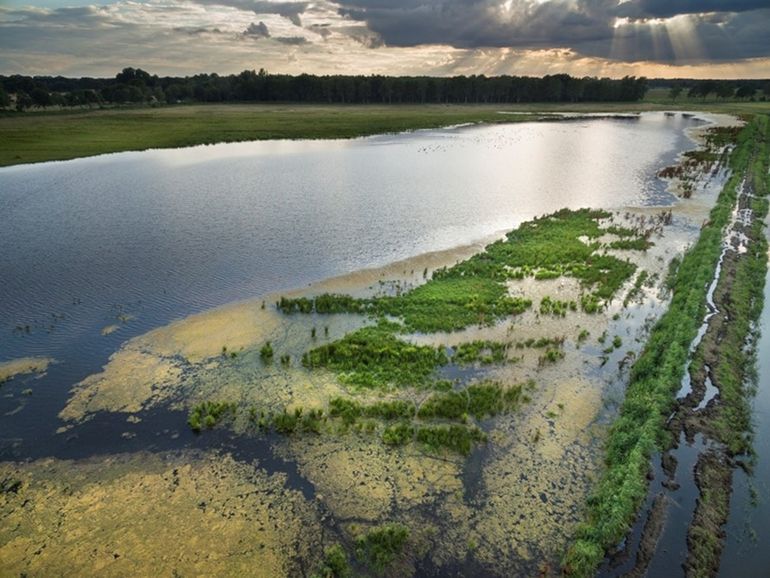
(724, 89)
(134, 85)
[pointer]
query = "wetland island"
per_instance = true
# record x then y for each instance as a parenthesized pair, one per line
(359, 325)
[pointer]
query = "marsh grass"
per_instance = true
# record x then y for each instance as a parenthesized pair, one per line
(209, 413)
(375, 357)
(656, 375)
(380, 546)
(474, 291)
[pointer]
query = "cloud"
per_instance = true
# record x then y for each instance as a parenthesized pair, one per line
(667, 8)
(483, 23)
(289, 10)
(413, 37)
(323, 30)
(292, 40)
(257, 31)
(699, 31)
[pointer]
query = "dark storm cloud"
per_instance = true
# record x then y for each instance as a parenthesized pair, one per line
(667, 8)
(257, 31)
(289, 10)
(693, 39)
(196, 30)
(584, 26)
(291, 40)
(483, 23)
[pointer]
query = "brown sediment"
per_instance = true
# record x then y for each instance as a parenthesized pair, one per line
(129, 382)
(109, 329)
(656, 519)
(23, 365)
(152, 515)
(705, 536)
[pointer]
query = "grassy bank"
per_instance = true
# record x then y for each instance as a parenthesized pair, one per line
(59, 135)
(44, 136)
(739, 295)
(655, 378)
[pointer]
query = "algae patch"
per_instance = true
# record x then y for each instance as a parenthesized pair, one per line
(23, 365)
(206, 514)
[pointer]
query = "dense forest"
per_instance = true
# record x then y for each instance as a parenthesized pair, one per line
(134, 86)
(137, 86)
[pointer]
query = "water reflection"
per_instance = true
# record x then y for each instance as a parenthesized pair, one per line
(177, 231)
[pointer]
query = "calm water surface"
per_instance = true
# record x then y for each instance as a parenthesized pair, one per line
(164, 233)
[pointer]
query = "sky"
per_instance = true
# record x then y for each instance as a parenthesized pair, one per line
(653, 38)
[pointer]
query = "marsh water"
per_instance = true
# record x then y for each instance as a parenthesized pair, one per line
(96, 251)
(747, 528)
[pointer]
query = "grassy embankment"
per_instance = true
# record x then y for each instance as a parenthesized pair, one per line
(640, 428)
(739, 295)
(43, 136)
(66, 134)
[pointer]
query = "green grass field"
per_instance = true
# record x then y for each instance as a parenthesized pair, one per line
(42, 136)
(59, 135)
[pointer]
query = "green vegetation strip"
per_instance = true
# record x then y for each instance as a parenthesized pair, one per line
(733, 419)
(654, 380)
(474, 292)
(36, 137)
(440, 422)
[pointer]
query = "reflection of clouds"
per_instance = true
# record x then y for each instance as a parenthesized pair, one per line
(588, 37)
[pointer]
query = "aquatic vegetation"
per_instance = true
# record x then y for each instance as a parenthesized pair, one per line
(380, 546)
(298, 420)
(473, 292)
(590, 303)
(447, 303)
(617, 342)
(375, 357)
(398, 434)
(655, 376)
(673, 268)
(456, 438)
(549, 306)
(636, 244)
(334, 564)
(325, 304)
(583, 335)
(480, 351)
(350, 410)
(266, 352)
(635, 291)
(541, 342)
(551, 355)
(479, 400)
(207, 414)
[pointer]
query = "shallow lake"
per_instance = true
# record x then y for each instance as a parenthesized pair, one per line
(96, 251)
(163, 233)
